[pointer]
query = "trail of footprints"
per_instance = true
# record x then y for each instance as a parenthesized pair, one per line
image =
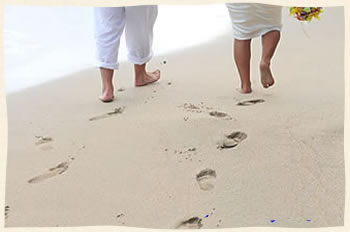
(189, 107)
(205, 178)
(201, 108)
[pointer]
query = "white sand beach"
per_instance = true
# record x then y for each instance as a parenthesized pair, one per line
(74, 161)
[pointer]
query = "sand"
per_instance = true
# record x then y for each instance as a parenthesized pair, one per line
(167, 155)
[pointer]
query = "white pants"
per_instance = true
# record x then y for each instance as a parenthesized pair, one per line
(110, 22)
(251, 20)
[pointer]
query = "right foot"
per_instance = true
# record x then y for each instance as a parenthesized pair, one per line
(244, 90)
(147, 78)
(266, 77)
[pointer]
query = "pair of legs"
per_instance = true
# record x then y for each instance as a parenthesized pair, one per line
(250, 20)
(242, 56)
(110, 23)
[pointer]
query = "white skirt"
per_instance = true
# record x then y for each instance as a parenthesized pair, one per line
(251, 20)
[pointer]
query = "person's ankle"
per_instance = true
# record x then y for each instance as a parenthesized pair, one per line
(265, 63)
(246, 87)
(108, 89)
(139, 74)
(140, 68)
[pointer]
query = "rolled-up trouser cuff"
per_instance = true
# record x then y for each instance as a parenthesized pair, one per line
(107, 66)
(139, 60)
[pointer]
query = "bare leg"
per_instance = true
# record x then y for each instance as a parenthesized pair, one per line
(107, 85)
(142, 77)
(269, 43)
(242, 54)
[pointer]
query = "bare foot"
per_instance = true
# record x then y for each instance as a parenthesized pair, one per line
(107, 85)
(107, 95)
(266, 77)
(244, 90)
(147, 78)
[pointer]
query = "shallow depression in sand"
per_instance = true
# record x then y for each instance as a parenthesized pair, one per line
(232, 140)
(52, 172)
(192, 223)
(206, 179)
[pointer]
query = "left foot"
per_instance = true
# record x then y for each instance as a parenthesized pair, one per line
(147, 78)
(107, 95)
(106, 99)
(266, 77)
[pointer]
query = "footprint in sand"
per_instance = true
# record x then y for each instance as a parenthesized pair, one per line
(192, 223)
(201, 108)
(119, 218)
(52, 172)
(188, 154)
(219, 223)
(250, 102)
(7, 211)
(42, 140)
(192, 108)
(206, 179)
(232, 140)
(118, 110)
(219, 114)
